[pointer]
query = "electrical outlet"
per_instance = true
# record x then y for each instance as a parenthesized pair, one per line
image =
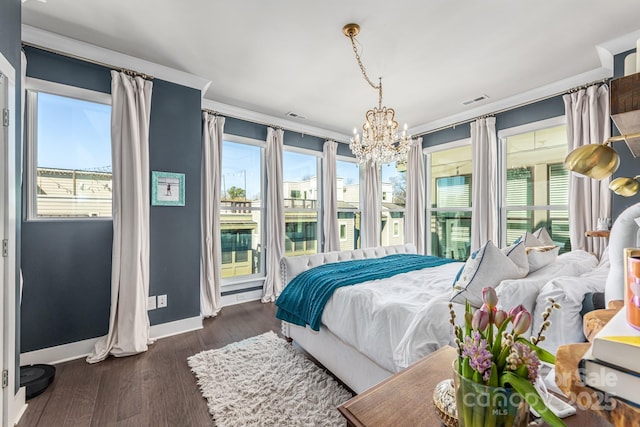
(162, 301)
(151, 303)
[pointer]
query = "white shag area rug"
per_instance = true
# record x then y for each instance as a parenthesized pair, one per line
(265, 381)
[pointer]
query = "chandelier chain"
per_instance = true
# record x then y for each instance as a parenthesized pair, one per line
(364, 70)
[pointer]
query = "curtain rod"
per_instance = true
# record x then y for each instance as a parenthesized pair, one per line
(128, 72)
(513, 107)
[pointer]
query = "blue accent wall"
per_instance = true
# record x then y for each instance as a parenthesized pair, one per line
(257, 131)
(10, 35)
(537, 111)
(67, 264)
(175, 146)
(10, 31)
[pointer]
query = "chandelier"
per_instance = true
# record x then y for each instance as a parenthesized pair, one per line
(379, 141)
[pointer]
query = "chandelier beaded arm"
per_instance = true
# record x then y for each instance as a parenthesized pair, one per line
(379, 141)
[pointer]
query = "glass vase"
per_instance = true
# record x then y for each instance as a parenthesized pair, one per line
(480, 405)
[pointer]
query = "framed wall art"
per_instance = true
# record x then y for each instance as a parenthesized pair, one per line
(167, 189)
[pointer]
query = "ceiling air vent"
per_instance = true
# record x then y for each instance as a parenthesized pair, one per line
(295, 115)
(474, 100)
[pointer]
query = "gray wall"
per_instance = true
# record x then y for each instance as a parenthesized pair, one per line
(10, 34)
(542, 110)
(67, 264)
(257, 131)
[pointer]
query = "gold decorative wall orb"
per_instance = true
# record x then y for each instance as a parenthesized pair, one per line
(624, 186)
(595, 161)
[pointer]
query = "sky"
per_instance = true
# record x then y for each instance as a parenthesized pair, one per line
(73, 134)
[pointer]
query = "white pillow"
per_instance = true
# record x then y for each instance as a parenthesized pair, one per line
(525, 291)
(541, 256)
(540, 251)
(518, 254)
(488, 266)
(543, 237)
(569, 292)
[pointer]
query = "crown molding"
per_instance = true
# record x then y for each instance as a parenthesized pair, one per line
(265, 119)
(525, 98)
(622, 43)
(606, 51)
(110, 58)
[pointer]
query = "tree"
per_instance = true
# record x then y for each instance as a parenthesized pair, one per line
(399, 183)
(235, 193)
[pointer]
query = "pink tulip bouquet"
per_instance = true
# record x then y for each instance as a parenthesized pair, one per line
(493, 352)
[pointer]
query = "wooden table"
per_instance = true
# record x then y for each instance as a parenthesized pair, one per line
(597, 233)
(406, 398)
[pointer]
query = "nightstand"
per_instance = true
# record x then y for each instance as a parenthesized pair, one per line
(406, 398)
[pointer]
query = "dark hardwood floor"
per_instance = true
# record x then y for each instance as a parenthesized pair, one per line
(155, 388)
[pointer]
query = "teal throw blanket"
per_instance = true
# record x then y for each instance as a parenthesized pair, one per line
(302, 301)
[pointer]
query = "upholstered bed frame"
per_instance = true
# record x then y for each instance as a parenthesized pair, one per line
(352, 367)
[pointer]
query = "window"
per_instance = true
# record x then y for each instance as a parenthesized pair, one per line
(343, 232)
(69, 152)
(449, 200)
(535, 183)
(241, 208)
(301, 208)
(394, 191)
(348, 198)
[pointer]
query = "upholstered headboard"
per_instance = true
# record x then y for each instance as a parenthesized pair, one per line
(625, 233)
(291, 266)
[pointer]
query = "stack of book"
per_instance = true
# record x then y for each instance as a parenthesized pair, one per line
(612, 364)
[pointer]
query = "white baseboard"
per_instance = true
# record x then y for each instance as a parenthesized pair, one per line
(78, 349)
(58, 353)
(168, 329)
(19, 405)
(242, 297)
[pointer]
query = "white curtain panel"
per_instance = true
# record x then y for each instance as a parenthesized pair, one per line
(330, 229)
(210, 253)
(484, 211)
(587, 112)
(414, 215)
(370, 206)
(129, 322)
(275, 215)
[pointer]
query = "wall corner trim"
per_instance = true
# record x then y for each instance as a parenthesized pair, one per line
(79, 349)
(19, 404)
(82, 50)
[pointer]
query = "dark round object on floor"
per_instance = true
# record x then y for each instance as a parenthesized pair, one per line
(36, 378)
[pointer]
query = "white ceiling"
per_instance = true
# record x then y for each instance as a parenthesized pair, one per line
(290, 55)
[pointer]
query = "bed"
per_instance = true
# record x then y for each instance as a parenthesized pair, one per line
(373, 329)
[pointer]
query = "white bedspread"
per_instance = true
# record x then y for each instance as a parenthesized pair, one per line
(397, 321)
(374, 316)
